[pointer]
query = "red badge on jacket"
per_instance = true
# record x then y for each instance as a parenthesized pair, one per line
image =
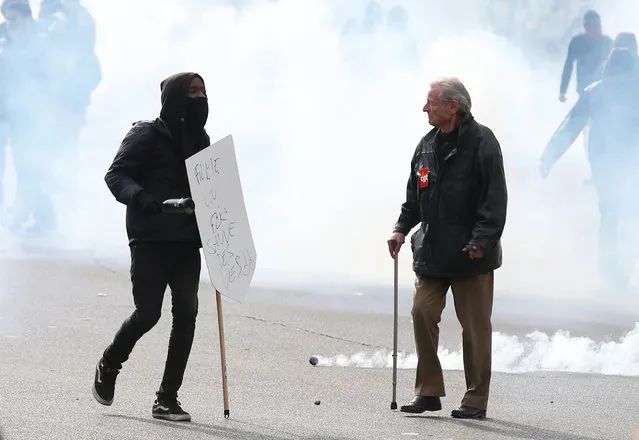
(423, 178)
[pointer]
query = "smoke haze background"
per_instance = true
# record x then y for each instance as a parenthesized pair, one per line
(324, 149)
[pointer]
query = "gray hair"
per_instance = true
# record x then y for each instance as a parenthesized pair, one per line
(454, 90)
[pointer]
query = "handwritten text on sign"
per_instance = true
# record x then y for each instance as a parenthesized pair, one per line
(223, 228)
(221, 215)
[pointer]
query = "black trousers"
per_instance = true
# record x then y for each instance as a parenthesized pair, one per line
(154, 266)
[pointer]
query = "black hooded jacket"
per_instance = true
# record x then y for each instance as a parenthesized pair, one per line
(149, 168)
(461, 201)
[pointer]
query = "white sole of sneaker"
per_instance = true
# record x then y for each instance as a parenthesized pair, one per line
(172, 418)
(100, 400)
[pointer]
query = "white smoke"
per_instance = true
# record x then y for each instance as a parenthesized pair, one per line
(324, 143)
(324, 147)
(537, 351)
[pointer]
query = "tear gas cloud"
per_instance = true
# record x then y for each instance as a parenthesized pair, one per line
(536, 351)
(325, 131)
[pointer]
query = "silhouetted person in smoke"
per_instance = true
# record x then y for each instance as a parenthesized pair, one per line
(397, 19)
(373, 18)
(625, 40)
(71, 31)
(74, 69)
(402, 45)
(29, 114)
(372, 21)
(589, 50)
(18, 17)
(165, 249)
(611, 106)
(359, 45)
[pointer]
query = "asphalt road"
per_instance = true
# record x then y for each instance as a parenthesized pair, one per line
(56, 318)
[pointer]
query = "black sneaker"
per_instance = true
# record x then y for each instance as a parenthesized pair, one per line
(169, 409)
(104, 383)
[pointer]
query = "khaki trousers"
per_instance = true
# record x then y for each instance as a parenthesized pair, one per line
(473, 299)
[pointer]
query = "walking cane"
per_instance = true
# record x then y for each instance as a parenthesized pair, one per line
(395, 313)
(225, 385)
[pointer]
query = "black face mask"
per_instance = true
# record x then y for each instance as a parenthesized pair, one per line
(197, 112)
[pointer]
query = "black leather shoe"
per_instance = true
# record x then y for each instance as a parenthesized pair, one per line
(468, 412)
(421, 404)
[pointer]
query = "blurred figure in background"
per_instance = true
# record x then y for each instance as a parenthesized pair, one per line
(28, 111)
(360, 42)
(49, 70)
(574, 10)
(369, 24)
(625, 40)
(402, 48)
(373, 18)
(613, 152)
(75, 73)
(589, 51)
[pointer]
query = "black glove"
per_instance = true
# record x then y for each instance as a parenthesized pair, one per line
(148, 203)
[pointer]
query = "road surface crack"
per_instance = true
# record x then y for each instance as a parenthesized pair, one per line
(313, 332)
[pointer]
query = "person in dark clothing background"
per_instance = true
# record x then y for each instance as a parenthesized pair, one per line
(610, 106)
(457, 191)
(71, 35)
(624, 40)
(48, 72)
(589, 50)
(627, 40)
(404, 49)
(165, 249)
(373, 18)
(29, 109)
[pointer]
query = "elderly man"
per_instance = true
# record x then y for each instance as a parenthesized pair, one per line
(457, 191)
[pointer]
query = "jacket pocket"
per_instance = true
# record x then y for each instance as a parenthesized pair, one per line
(449, 245)
(417, 241)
